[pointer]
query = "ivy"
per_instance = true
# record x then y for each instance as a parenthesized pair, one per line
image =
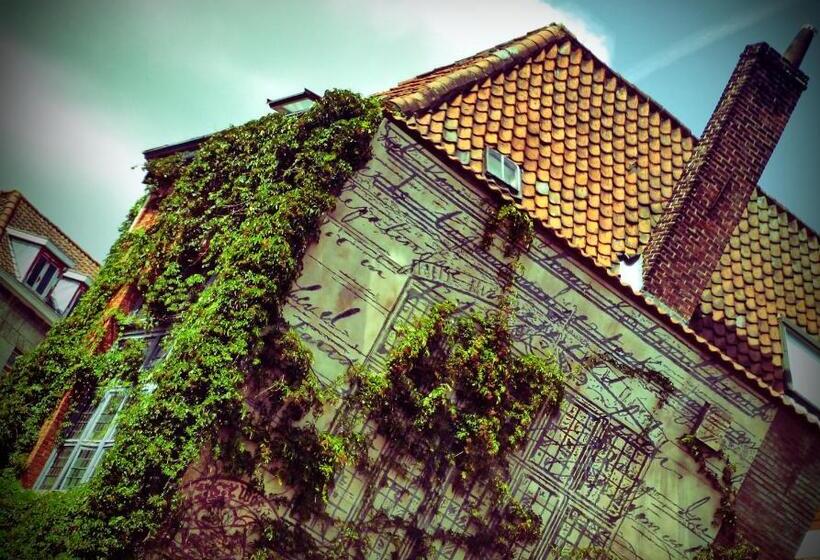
(519, 224)
(731, 544)
(233, 223)
(457, 399)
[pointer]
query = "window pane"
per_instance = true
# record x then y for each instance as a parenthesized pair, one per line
(47, 275)
(79, 421)
(56, 467)
(510, 172)
(76, 471)
(106, 417)
(493, 163)
(804, 365)
(154, 352)
(34, 273)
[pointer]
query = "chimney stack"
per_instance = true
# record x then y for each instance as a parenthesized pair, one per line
(714, 190)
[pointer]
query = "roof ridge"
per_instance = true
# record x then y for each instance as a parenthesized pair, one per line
(475, 68)
(7, 212)
(60, 231)
(460, 78)
(785, 209)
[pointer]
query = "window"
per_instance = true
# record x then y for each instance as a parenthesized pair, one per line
(90, 436)
(504, 169)
(802, 363)
(154, 350)
(43, 274)
(67, 292)
(15, 353)
(294, 104)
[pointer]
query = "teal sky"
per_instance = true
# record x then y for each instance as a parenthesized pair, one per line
(87, 85)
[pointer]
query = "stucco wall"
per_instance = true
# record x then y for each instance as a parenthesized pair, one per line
(607, 471)
(19, 328)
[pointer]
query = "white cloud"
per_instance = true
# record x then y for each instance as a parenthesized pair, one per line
(459, 28)
(694, 43)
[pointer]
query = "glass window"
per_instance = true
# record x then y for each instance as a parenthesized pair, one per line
(803, 364)
(43, 274)
(90, 436)
(65, 295)
(503, 168)
(15, 353)
(154, 349)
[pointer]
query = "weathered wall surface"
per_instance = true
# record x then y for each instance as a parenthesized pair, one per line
(19, 327)
(780, 496)
(608, 471)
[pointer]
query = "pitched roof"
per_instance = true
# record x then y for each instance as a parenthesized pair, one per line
(19, 213)
(769, 270)
(599, 160)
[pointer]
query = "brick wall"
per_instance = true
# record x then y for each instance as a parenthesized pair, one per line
(19, 327)
(781, 493)
(714, 190)
(49, 433)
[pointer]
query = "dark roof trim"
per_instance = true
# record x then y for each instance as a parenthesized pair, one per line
(296, 96)
(190, 145)
(640, 300)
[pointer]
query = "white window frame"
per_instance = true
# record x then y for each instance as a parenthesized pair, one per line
(83, 442)
(503, 168)
(154, 351)
(51, 261)
(790, 329)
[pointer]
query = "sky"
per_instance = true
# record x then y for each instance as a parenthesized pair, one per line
(88, 85)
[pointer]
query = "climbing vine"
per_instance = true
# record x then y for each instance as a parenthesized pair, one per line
(217, 265)
(731, 544)
(518, 224)
(233, 222)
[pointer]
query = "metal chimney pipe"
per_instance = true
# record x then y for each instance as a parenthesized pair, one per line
(799, 45)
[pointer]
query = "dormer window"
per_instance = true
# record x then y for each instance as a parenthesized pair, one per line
(44, 273)
(45, 270)
(802, 364)
(504, 169)
(68, 291)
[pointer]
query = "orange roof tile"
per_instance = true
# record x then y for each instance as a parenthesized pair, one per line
(768, 271)
(599, 159)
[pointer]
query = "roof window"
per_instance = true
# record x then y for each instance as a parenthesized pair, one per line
(504, 169)
(294, 104)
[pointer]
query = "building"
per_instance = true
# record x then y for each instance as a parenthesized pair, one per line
(683, 294)
(42, 275)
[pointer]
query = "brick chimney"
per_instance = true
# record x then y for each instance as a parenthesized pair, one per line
(710, 197)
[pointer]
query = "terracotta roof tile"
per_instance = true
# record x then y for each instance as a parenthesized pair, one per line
(764, 274)
(19, 213)
(599, 160)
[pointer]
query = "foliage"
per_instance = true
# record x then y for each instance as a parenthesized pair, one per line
(218, 264)
(520, 227)
(234, 221)
(730, 544)
(458, 396)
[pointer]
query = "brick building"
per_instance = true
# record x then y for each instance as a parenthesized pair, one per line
(653, 247)
(42, 275)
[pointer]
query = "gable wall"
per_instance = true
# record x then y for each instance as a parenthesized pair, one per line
(607, 471)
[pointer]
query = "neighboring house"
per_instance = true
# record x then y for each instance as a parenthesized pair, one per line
(42, 275)
(655, 250)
